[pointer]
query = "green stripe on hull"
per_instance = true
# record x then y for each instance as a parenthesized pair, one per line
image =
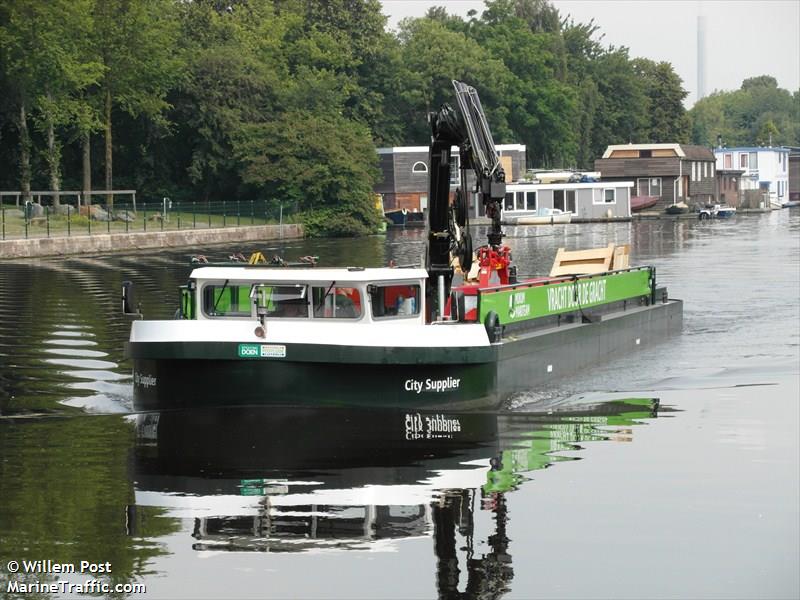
(526, 303)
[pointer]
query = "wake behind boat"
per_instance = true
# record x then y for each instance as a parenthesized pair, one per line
(463, 332)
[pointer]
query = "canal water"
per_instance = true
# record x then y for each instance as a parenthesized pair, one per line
(670, 473)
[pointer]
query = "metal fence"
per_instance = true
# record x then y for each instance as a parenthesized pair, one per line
(33, 220)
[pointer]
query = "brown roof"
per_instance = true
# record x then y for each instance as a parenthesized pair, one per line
(697, 152)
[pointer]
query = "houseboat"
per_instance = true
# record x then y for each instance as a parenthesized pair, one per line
(462, 332)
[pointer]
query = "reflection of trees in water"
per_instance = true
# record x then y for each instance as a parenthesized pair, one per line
(64, 496)
(488, 575)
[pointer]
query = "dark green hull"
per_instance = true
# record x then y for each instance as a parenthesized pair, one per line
(185, 375)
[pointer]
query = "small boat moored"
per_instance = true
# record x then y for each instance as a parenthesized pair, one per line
(716, 211)
(544, 216)
(643, 202)
(679, 208)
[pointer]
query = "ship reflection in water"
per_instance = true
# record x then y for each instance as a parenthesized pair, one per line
(298, 480)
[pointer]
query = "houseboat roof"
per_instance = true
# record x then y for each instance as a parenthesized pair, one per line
(724, 149)
(522, 186)
(681, 150)
(426, 149)
(310, 275)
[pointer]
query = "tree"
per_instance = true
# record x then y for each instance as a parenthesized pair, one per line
(135, 41)
(323, 164)
(236, 72)
(667, 119)
(543, 105)
(759, 111)
(432, 56)
(621, 115)
(49, 68)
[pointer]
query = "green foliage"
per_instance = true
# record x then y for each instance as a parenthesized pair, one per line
(286, 100)
(752, 115)
(324, 165)
(668, 121)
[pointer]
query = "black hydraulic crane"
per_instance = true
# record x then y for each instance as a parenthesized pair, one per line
(448, 222)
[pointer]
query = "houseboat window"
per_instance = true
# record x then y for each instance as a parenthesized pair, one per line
(419, 167)
(743, 160)
(558, 199)
(530, 200)
(753, 161)
(282, 301)
(648, 186)
(334, 302)
(610, 196)
(705, 169)
(645, 154)
(728, 161)
(520, 200)
(571, 201)
(399, 300)
(226, 300)
(509, 204)
(655, 186)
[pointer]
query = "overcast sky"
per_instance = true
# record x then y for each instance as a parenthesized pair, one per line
(743, 38)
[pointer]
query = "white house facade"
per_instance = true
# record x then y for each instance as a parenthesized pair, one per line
(763, 168)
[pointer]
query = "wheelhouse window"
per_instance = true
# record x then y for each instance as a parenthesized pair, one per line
(530, 200)
(227, 300)
(393, 301)
(610, 196)
(334, 302)
(282, 301)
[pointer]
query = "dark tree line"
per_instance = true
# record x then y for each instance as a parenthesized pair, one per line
(288, 99)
